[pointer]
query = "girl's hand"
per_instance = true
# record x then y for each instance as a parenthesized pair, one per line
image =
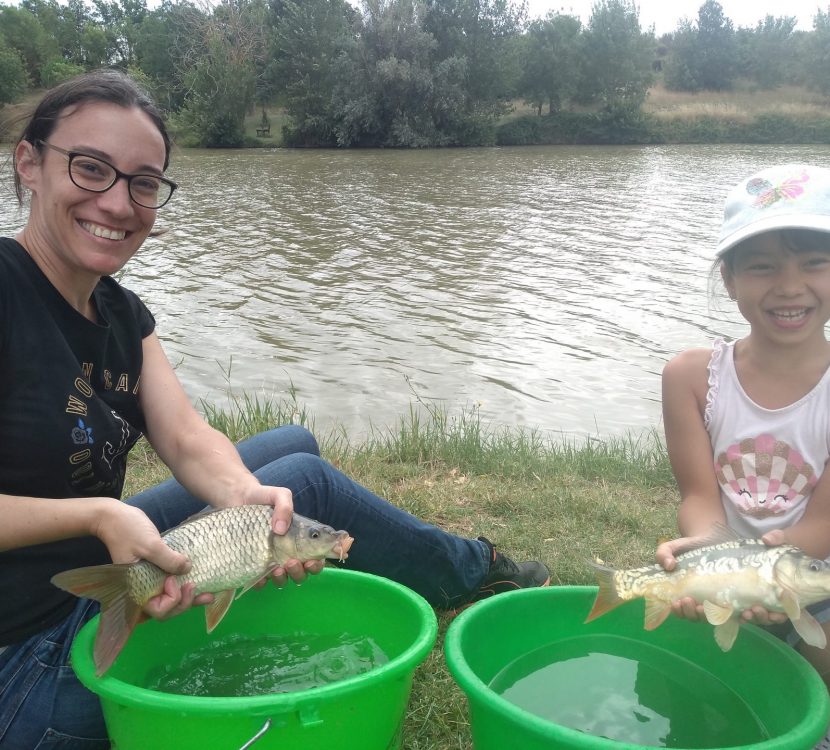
(757, 614)
(688, 609)
(667, 552)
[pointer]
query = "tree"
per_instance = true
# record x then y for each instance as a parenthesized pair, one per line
(393, 90)
(163, 47)
(480, 34)
(551, 61)
(311, 39)
(618, 57)
(818, 72)
(767, 53)
(717, 49)
(703, 55)
(12, 74)
(120, 22)
(23, 32)
(220, 75)
(680, 69)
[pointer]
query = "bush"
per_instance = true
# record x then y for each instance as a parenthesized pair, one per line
(13, 77)
(57, 71)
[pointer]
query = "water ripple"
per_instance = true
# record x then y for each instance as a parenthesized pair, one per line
(547, 285)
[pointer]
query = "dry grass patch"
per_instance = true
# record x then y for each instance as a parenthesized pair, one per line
(741, 104)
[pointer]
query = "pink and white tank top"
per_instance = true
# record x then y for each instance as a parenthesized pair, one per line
(767, 461)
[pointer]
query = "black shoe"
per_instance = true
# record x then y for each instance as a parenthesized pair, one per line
(506, 575)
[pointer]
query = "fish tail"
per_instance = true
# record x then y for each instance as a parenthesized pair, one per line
(607, 596)
(120, 613)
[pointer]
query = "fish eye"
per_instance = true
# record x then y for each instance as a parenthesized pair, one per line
(314, 533)
(817, 565)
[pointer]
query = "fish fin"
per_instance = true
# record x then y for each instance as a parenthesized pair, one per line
(810, 630)
(607, 597)
(218, 608)
(106, 584)
(726, 633)
(718, 534)
(656, 613)
(253, 582)
(717, 614)
(789, 601)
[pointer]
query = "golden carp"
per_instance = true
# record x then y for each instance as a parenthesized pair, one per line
(229, 549)
(727, 575)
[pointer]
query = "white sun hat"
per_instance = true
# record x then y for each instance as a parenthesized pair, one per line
(789, 196)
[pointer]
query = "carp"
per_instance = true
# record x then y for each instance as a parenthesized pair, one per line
(727, 575)
(229, 549)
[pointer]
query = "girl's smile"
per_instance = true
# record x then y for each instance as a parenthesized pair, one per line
(782, 292)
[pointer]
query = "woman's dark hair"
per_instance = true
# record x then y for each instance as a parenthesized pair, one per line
(111, 86)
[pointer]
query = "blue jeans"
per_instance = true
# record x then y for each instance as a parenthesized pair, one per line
(42, 705)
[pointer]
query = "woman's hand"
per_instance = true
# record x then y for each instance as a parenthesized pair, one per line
(174, 600)
(131, 536)
(282, 500)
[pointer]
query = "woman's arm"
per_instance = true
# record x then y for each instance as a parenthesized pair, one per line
(201, 458)
(126, 531)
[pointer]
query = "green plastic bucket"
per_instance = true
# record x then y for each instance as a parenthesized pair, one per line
(783, 691)
(362, 712)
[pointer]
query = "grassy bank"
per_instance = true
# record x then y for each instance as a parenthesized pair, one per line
(788, 114)
(561, 502)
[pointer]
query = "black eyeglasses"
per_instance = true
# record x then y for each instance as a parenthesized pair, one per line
(98, 176)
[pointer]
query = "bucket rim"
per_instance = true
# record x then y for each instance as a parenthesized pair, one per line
(476, 689)
(125, 693)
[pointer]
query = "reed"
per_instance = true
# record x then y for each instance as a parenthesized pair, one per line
(536, 495)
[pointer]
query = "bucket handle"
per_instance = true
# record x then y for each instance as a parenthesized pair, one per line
(265, 727)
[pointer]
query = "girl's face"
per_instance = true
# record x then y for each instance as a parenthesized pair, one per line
(76, 232)
(784, 294)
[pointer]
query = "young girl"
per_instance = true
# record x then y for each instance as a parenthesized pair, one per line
(748, 422)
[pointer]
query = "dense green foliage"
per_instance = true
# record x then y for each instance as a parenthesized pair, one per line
(401, 73)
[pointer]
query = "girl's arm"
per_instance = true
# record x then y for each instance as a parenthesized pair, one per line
(812, 532)
(685, 385)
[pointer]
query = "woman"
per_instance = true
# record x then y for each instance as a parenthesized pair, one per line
(83, 376)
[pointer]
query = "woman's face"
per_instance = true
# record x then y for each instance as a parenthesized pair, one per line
(74, 231)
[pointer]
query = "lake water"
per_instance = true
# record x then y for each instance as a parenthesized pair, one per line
(544, 286)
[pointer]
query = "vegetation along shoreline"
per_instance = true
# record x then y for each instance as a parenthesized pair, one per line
(421, 74)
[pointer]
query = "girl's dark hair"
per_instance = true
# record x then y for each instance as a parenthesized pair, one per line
(111, 86)
(795, 240)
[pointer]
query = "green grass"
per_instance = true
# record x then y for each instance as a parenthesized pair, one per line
(563, 502)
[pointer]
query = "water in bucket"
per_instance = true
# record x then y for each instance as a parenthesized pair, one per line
(241, 665)
(627, 690)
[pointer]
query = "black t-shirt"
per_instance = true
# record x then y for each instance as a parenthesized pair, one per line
(69, 414)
